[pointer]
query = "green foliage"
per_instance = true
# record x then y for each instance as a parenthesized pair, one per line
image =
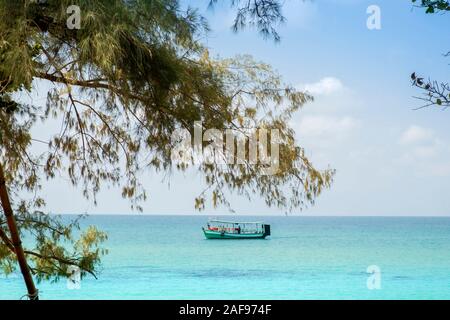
(264, 15)
(434, 93)
(433, 6)
(121, 85)
(55, 247)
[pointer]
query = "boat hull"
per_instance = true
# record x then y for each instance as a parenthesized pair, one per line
(210, 234)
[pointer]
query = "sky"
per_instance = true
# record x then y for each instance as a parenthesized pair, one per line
(391, 160)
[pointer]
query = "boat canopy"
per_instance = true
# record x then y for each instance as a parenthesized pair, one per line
(232, 222)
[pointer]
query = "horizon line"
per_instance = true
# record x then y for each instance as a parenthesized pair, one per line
(253, 215)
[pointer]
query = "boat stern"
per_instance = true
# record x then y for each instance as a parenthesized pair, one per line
(266, 230)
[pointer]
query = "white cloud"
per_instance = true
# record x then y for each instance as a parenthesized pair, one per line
(325, 86)
(440, 170)
(426, 151)
(326, 126)
(415, 135)
(421, 145)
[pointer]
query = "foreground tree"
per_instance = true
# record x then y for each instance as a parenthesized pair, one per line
(133, 74)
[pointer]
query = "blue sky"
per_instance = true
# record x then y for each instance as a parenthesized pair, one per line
(390, 160)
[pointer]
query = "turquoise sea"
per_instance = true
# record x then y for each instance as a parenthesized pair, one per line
(167, 257)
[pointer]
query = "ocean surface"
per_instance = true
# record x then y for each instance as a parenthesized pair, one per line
(167, 257)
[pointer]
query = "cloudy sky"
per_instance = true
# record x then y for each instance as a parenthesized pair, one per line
(390, 159)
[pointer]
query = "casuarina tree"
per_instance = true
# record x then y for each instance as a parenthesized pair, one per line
(121, 77)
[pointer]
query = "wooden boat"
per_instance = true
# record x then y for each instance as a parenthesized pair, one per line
(218, 229)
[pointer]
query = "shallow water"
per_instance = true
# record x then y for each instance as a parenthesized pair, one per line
(167, 257)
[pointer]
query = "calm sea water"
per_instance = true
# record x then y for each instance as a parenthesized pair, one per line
(167, 257)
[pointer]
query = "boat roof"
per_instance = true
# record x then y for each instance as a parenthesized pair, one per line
(234, 222)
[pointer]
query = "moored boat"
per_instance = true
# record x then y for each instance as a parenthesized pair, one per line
(218, 229)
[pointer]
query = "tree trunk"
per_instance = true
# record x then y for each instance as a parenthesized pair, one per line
(15, 238)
